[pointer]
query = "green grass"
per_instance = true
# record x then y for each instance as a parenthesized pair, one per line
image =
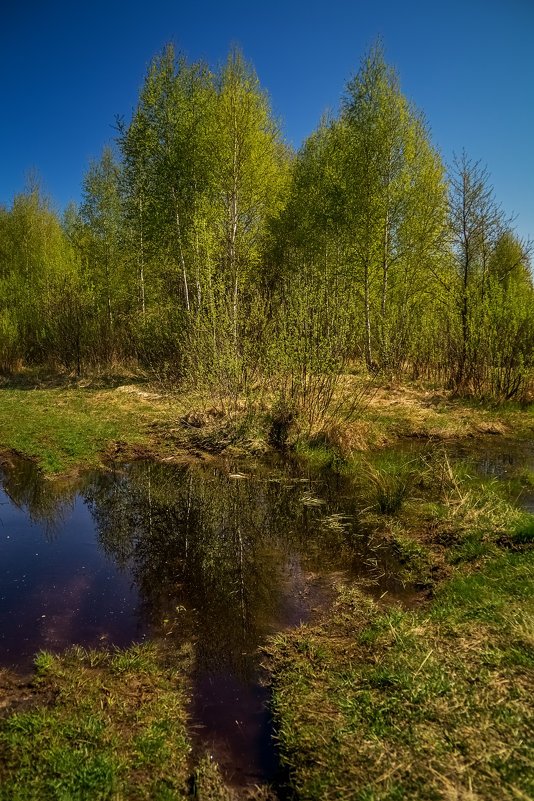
(68, 428)
(433, 704)
(108, 726)
(317, 454)
(523, 533)
(433, 512)
(380, 703)
(64, 424)
(111, 725)
(388, 481)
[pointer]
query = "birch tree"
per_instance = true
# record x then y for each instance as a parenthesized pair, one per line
(101, 213)
(249, 180)
(394, 198)
(477, 222)
(169, 151)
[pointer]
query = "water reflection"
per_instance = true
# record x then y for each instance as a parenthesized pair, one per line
(47, 503)
(186, 555)
(57, 587)
(219, 559)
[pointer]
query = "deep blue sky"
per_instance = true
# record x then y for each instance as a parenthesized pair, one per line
(69, 67)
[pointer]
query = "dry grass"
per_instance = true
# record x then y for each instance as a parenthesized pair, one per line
(433, 704)
(64, 424)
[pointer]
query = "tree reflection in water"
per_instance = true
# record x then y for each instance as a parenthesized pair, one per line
(222, 560)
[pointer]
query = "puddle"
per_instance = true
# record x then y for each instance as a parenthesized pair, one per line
(189, 554)
(152, 551)
(57, 585)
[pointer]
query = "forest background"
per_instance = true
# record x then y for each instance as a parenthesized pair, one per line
(208, 253)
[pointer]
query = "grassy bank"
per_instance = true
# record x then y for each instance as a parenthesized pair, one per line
(95, 725)
(381, 703)
(103, 726)
(433, 704)
(63, 428)
(64, 424)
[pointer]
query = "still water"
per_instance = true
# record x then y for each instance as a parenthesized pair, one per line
(216, 558)
(201, 555)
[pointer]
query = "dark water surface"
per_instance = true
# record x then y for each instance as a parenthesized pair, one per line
(199, 555)
(187, 554)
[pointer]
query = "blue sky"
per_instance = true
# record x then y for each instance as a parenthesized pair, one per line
(68, 68)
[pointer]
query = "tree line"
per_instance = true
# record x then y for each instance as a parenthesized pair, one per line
(208, 252)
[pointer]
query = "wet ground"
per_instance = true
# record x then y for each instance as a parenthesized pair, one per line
(215, 557)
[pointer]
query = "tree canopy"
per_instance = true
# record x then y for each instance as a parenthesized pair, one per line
(206, 250)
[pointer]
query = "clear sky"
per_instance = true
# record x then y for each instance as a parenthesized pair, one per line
(69, 67)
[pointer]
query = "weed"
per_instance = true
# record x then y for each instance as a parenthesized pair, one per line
(388, 483)
(317, 454)
(44, 663)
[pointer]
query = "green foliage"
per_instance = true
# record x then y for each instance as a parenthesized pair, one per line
(208, 253)
(488, 290)
(42, 298)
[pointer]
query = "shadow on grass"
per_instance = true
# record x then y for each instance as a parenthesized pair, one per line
(41, 378)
